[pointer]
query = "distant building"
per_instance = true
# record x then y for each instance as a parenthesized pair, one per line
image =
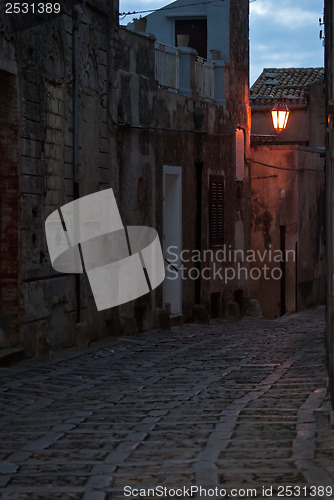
(288, 188)
(206, 23)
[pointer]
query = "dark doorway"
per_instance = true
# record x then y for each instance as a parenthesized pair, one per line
(238, 297)
(214, 305)
(197, 29)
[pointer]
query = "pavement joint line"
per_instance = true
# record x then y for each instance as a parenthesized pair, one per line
(217, 442)
(304, 444)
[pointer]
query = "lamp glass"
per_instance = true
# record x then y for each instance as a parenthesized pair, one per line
(280, 115)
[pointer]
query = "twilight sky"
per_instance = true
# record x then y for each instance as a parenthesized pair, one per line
(283, 33)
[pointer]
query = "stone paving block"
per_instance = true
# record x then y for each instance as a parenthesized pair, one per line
(8, 468)
(99, 481)
(50, 480)
(43, 442)
(4, 480)
(225, 402)
(94, 495)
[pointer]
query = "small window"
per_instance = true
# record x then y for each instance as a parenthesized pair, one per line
(239, 155)
(216, 212)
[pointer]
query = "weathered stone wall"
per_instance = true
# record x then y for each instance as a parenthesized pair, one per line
(50, 305)
(128, 129)
(329, 112)
(311, 272)
(239, 52)
(317, 114)
(275, 204)
(291, 197)
(157, 128)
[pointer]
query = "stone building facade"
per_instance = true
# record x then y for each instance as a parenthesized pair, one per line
(329, 82)
(81, 111)
(288, 189)
(55, 77)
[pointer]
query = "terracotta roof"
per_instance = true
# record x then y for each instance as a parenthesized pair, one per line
(287, 83)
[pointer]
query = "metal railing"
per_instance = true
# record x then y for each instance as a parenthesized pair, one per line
(204, 78)
(167, 66)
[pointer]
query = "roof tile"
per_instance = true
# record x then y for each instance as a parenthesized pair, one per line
(287, 83)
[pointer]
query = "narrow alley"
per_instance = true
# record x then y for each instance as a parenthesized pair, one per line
(230, 409)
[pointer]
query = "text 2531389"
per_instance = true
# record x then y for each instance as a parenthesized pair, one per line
(32, 8)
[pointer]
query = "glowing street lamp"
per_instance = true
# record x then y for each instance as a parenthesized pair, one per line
(280, 114)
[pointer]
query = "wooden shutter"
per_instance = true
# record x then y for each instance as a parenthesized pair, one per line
(216, 212)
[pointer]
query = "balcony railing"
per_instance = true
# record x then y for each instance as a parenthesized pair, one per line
(167, 66)
(180, 69)
(204, 78)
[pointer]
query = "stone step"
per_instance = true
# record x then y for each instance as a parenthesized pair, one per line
(11, 355)
(176, 319)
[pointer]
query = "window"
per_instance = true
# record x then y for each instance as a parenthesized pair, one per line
(239, 155)
(197, 29)
(216, 210)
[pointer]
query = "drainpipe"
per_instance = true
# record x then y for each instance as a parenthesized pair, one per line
(199, 169)
(77, 14)
(198, 115)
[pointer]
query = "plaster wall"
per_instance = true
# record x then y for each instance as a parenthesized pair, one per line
(297, 129)
(274, 204)
(161, 23)
(295, 200)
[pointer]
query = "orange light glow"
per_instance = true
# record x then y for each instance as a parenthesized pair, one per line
(280, 114)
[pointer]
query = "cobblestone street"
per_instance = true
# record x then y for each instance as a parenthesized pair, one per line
(234, 405)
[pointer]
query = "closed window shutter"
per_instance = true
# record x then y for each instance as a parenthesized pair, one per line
(216, 225)
(239, 155)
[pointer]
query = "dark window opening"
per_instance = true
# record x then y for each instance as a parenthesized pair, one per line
(197, 29)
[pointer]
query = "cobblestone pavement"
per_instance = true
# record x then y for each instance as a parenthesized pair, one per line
(230, 405)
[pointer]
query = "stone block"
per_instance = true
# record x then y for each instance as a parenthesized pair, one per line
(200, 314)
(254, 309)
(162, 319)
(43, 347)
(232, 311)
(129, 325)
(176, 320)
(32, 184)
(81, 335)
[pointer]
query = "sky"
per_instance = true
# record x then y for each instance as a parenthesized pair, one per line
(283, 33)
